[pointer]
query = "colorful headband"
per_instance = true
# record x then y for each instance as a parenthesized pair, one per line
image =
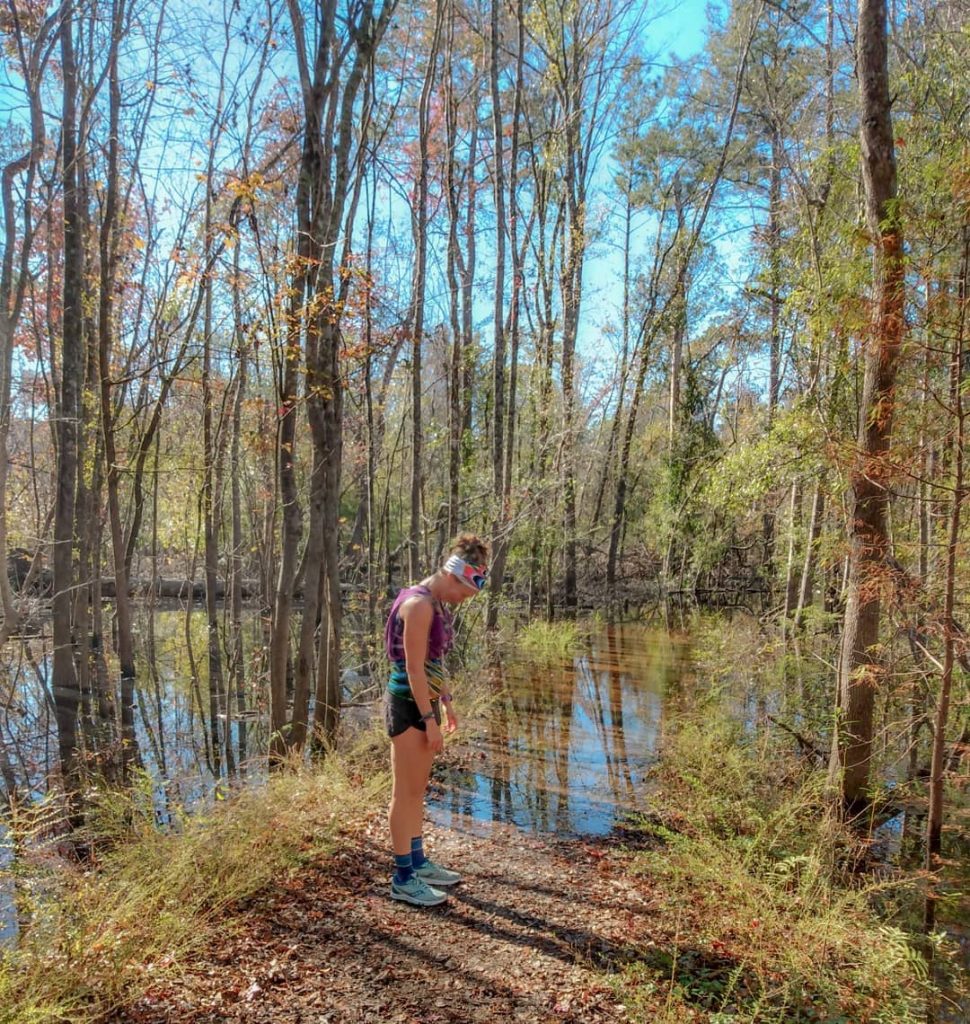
(474, 576)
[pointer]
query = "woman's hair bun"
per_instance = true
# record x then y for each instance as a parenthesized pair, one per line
(471, 548)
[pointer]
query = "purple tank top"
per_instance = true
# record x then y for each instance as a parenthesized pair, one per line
(440, 636)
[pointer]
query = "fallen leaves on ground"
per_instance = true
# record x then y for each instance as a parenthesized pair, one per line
(528, 936)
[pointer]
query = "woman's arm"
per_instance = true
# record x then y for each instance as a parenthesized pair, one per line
(451, 718)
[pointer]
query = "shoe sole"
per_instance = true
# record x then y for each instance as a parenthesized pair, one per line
(438, 883)
(404, 898)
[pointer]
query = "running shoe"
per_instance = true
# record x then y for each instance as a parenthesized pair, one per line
(435, 874)
(417, 891)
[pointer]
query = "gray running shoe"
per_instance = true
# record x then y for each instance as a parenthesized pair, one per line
(417, 891)
(435, 874)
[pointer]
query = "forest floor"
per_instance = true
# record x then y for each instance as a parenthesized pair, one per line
(533, 933)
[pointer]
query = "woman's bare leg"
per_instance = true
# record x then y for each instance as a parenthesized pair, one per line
(410, 768)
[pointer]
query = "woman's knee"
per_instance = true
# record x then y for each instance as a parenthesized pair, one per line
(410, 779)
(408, 788)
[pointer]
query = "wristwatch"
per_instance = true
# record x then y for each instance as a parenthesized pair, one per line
(427, 717)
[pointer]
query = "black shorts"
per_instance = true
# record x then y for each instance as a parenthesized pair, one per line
(401, 713)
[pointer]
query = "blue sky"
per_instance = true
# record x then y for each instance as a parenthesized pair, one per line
(679, 29)
(682, 29)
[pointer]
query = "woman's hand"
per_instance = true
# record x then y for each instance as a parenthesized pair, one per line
(451, 719)
(436, 742)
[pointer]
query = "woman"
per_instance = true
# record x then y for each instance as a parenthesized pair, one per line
(417, 636)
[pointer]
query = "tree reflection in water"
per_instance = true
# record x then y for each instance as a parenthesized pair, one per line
(569, 742)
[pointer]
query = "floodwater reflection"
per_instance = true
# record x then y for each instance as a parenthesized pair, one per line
(568, 743)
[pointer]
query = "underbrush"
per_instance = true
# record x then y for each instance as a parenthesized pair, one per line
(94, 940)
(759, 924)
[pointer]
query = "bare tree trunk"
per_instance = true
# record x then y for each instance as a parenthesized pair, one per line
(419, 228)
(518, 258)
(237, 662)
(452, 259)
(308, 182)
(467, 288)
(331, 169)
(794, 528)
(209, 522)
(65, 683)
(774, 342)
(305, 668)
(108, 251)
(499, 542)
(86, 500)
(292, 519)
(540, 556)
(859, 668)
(678, 308)
(927, 459)
(373, 450)
(807, 584)
(621, 386)
(623, 470)
(934, 817)
(14, 271)
(774, 246)
(572, 278)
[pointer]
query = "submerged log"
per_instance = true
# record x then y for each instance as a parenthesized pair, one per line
(39, 583)
(176, 589)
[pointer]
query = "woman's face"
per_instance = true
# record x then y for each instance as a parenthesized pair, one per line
(457, 591)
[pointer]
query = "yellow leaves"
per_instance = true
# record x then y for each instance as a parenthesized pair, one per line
(247, 189)
(230, 233)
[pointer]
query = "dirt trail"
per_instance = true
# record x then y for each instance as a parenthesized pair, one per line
(526, 937)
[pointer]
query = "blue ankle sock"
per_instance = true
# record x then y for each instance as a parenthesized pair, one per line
(417, 852)
(404, 868)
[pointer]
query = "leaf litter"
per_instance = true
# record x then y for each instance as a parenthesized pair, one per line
(532, 934)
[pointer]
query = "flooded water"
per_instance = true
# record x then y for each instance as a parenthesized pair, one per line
(566, 746)
(569, 741)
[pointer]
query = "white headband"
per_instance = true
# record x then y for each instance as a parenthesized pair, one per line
(472, 576)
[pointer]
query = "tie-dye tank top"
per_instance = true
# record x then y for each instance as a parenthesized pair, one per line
(440, 638)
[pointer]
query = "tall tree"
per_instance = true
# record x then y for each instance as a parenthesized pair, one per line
(664, 305)
(33, 51)
(66, 694)
(499, 453)
(860, 667)
(951, 631)
(335, 119)
(581, 44)
(108, 246)
(419, 283)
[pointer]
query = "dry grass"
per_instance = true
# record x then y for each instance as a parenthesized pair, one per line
(760, 925)
(98, 938)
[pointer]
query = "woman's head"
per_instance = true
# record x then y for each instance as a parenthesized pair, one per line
(470, 549)
(465, 570)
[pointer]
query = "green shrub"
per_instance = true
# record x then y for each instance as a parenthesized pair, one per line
(758, 923)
